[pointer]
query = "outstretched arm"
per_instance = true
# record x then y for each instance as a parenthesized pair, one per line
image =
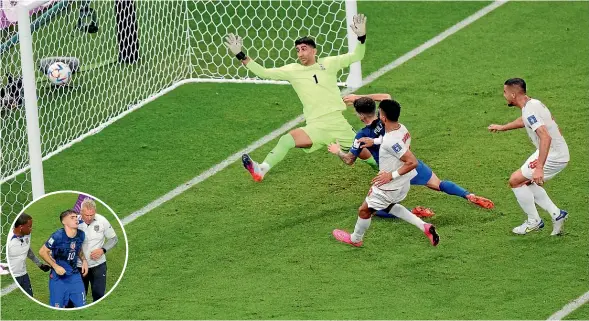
(518, 123)
(342, 61)
(347, 158)
(235, 43)
(350, 99)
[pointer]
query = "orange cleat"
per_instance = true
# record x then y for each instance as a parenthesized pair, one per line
(480, 201)
(421, 211)
(432, 235)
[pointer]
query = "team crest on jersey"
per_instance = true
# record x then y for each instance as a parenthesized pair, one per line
(73, 245)
(397, 148)
(532, 120)
(96, 228)
(321, 67)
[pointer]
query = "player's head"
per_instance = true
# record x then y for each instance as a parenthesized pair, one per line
(512, 89)
(306, 50)
(389, 110)
(69, 218)
(23, 224)
(365, 108)
(88, 210)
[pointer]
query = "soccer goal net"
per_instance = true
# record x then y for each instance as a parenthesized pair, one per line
(124, 53)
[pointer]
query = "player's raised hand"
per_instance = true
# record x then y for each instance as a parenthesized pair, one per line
(493, 128)
(334, 148)
(59, 270)
(350, 99)
(366, 142)
(538, 176)
(234, 43)
(382, 178)
(359, 25)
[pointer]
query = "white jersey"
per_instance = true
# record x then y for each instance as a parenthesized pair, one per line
(96, 232)
(18, 250)
(394, 145)
(536, 114)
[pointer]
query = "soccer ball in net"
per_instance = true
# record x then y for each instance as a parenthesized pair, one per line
(59, 73)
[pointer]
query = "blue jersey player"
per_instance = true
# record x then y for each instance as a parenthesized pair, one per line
(368, 138)
(62, 251)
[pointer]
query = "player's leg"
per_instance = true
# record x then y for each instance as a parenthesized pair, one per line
(25, 283)
(362, 224)
(543, 200)
(295, 138)
(395, 197)
(428, 229)
(452, 188)
(525, 197)
(76, 291)
(98, 281)
(57, 292)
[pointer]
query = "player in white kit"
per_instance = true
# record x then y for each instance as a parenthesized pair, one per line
(391, 185)
(550, 158)
(19, 248)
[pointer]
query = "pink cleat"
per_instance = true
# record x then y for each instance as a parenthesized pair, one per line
(252, 167)
(345, 237)
(432, 235)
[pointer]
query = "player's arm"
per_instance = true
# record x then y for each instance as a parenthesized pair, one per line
(349, 158)
(544, 148)
(235, 43)
(37, 262)
(350, 99)
(409, 163)
(84, 262)
(45, 254)
(516, 124)
(342, 61)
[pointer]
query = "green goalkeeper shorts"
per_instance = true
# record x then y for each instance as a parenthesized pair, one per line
(329, 129)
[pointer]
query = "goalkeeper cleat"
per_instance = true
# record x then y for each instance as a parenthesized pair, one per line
(558, 223)
(480, 201)
(421, 211)
(528, 226)
(345, 237)
(252, 167)
(432, 235)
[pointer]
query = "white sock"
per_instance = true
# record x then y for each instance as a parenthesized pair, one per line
(361, 226)
(401, 212)
(525, 198)
(264, 167)
(541, 198)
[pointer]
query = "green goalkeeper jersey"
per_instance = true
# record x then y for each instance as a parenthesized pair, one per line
(316, 85)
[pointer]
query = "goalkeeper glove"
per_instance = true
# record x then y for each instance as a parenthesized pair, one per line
(234, 44)
(359, 26)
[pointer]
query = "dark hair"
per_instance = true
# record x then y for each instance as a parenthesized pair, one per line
(365, 105)
(391, 109)
(22, 219)
(306, 41)
(516, 82)
(66, 213)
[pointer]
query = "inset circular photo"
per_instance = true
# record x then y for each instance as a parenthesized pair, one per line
(67, 250)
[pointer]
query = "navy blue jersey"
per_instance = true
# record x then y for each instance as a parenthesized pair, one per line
(65, 250)
(374, 130)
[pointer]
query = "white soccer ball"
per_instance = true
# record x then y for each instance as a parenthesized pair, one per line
(59, 73)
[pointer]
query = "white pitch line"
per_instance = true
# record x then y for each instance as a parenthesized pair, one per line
(570, 307)
(291, 124)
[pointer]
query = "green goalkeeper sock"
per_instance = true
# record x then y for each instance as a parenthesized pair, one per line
(285, 143)
(371, 162)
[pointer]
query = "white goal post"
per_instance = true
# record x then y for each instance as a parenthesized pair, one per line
(126, 53)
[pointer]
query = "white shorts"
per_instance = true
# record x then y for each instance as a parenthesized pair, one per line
(551, 168)
(379, 199)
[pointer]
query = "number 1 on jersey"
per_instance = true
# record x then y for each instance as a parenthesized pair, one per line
(316, 81)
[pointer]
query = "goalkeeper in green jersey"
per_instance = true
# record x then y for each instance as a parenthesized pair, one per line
(315, 82)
